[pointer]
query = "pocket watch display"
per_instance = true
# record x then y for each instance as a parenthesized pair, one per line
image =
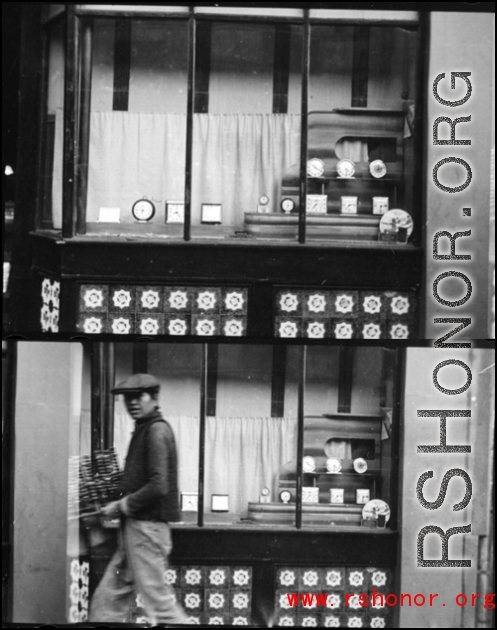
(143, 210)
(287, 205)
(315, 167)
(378, 169)
(346, 168)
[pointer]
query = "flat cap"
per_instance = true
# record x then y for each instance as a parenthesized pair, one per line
(136, 383)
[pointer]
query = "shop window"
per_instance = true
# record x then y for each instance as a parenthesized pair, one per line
(193, 128)
(286, 436)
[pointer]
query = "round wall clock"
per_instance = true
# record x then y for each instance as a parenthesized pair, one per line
(315, 167)
(143, 210)
(346, 168)
(378, 169)
(287, 205)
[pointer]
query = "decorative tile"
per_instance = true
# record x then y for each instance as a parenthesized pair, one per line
(240, 620)
(241, 577)
(217, 576)
(355, 621)
(192, 600)
(150, 324)
(356, 578)
(372, 304)
(316, 329)
(289, 303)
(378, 621)
(177, 300)
(334, 578)
(121, 325)
(372, 329)
(149, 299)
(287, 328)
(286, 577)
(205, 325)
(234, 301)
(344, 304)
(195, 620)
(282, 602)
(171, 577)
(399, 330)
(399, 305)
(49, 314)
(353, 603)
(79, 593)
(206, 301)
(93, 298)
(233, 326)
(341, 329)
(216, 601)
(92, 324)
(316, 304)
(122, 299)
(177, 325)
(217, 620)
(308, 621)
(240, 602)
(335, 601)
(378, 578)
(331, 621)
(192, 577)
(310, 580)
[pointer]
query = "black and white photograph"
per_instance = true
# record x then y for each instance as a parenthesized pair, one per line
(248, 346)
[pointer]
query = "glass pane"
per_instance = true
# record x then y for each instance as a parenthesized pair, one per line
(248, 447)
(361, 133)
(246, 128)
(249, 11)
(347, 436)
(52, 138)
(136, 174)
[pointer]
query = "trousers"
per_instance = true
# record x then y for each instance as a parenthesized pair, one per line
(138, 567)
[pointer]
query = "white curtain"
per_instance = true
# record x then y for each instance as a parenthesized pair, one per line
(242, 455)
(236, 159)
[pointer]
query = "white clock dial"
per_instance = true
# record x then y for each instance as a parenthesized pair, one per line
(315, 167)
(264, 200)
(287, 205)
(346, 168)
(378, 169)
(285, 496)
(143, 210)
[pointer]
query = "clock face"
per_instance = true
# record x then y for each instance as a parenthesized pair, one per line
(360, 465)
(285, 496)
(189, 502)
(308, 464)
(315, 167)
(378, 169)
(265, 492)
(287, 205)
(394, 219)
(143, 210)
(333, 465)
(345, 168)
(374, 508)
(348, 205)
(264, 200)
(175, 213)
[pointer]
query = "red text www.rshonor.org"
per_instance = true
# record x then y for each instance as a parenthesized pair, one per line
(380, 600)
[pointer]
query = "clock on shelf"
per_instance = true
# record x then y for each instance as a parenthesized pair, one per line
(189, 501)
(143, 210)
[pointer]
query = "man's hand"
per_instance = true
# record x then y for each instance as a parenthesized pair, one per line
(112, 509)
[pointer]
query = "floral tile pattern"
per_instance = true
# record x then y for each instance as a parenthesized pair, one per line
(49, 315)
(79, 590)
(343, 314)
(342, 587)
(158, 310)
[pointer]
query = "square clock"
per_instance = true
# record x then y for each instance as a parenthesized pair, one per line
(211, 213)
(189, 501)
(175, 212)
(220, 503)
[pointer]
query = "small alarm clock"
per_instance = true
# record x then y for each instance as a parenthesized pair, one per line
(360, 465)
(315, 167)
(285, 496)
(378, 169)
(287, 205)
(346, 168)
(263, 200)
(143, 210)
(265, 496)
(308, 464)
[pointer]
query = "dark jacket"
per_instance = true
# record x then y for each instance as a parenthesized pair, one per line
(150, 478)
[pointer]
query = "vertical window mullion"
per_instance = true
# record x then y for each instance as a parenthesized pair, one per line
(102, 401)
(201, 448)
(300, 436)
(304, 128)
(84, 125)
(70, 124)
(192, 28)
(41, 185)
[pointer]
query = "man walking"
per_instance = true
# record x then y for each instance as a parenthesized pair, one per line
(149, 491)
